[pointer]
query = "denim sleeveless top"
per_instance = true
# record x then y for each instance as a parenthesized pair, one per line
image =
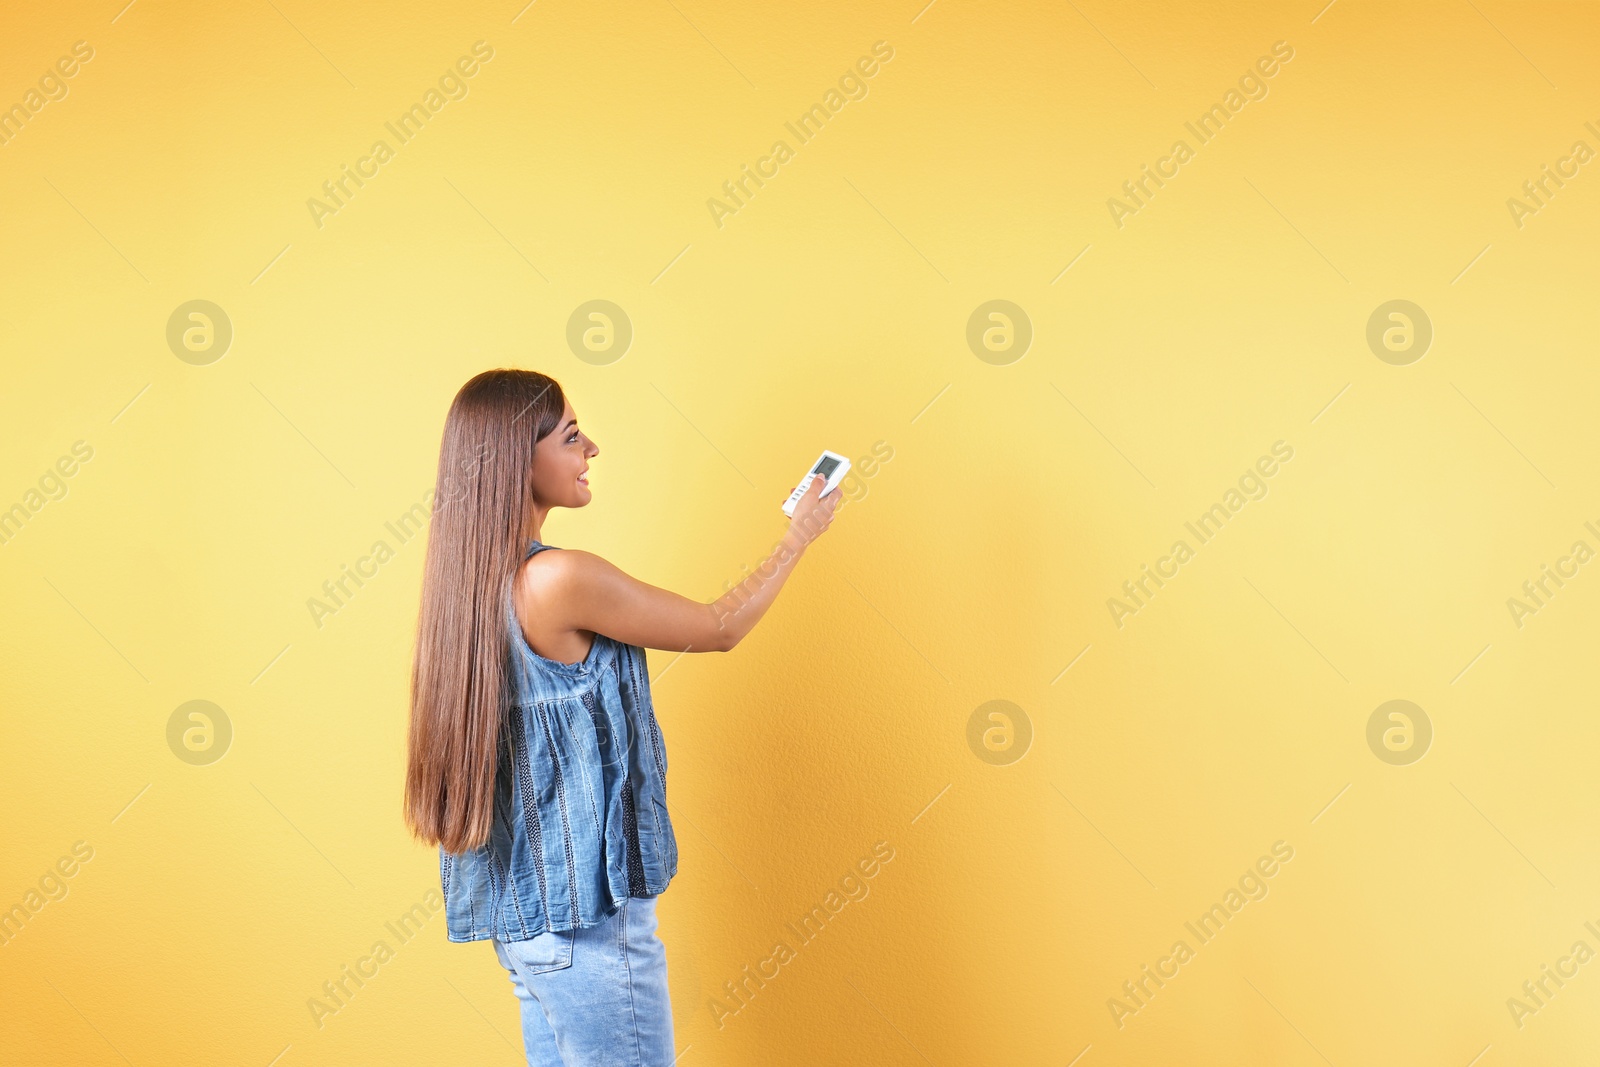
(580, 800)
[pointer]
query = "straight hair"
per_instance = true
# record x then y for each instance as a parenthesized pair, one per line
(460, 686)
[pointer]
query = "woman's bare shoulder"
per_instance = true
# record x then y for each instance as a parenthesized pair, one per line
(555, 572)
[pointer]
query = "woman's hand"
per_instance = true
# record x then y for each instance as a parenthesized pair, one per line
(813, 514)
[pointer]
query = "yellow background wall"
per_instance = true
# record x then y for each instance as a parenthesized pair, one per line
(1163, 756)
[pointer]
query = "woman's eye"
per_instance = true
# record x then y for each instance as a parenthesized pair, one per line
(571, 439)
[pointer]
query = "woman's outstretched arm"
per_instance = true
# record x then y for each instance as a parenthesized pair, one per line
(580, 591)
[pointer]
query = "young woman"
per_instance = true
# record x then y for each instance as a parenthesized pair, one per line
(535, 761)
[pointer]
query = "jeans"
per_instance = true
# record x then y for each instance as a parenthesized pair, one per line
(597, 996)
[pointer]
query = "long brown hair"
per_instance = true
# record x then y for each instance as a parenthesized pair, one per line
(459, 684)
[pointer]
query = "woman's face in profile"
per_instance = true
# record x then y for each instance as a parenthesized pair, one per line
(561, 464)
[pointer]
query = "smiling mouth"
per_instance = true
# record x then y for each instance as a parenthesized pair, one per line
(583, 479)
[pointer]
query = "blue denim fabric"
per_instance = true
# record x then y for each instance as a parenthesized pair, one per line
(580, 810)
(595, 997)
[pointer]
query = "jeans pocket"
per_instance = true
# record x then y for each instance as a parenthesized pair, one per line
(549, 951)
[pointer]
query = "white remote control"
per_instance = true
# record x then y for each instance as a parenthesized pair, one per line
(832, 467)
